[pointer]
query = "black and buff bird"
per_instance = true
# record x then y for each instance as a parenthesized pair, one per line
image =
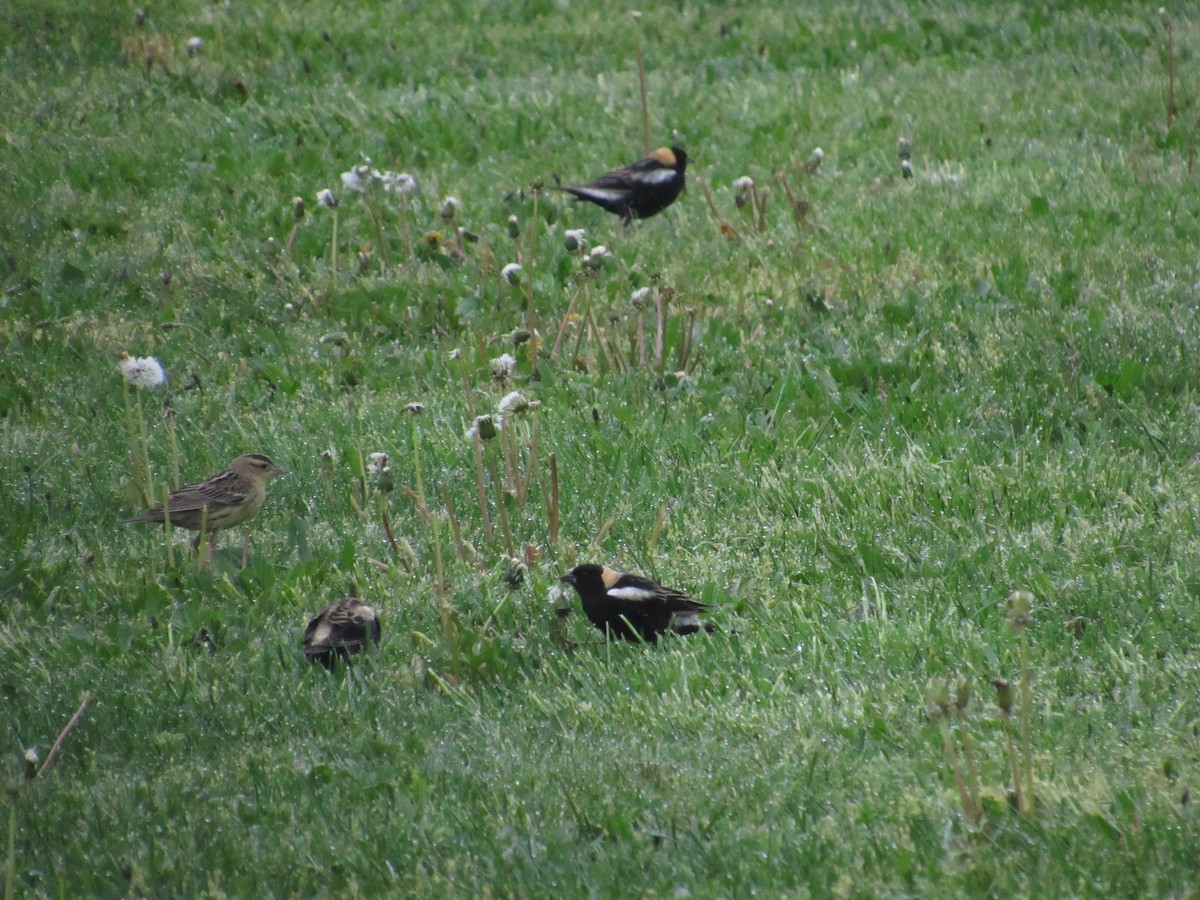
(219, 502)
(341, 629)
(632, 607)
(639, 190)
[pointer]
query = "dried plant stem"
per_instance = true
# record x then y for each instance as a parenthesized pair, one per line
(553, 511)
(531, 317)
(387, 530)
(1026, 723)
(333, 255)
(167, 530)
(969, 808)
(407, 232)
(641, 66)
(660, 312)
(62, 735)
(10, 865)
(416, 454)
(500, 507)
(445, 610)
(138, 446)
(463, 549)
(1018, 793)
(1171, 108)
(562, 327)
(723, 225)
(481, 484)
(174, 448)
(972, 771)
(685, 340)
(584, 319)
(373, 209)
(759, 203)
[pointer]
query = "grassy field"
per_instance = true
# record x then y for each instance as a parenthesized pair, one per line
(853, 424)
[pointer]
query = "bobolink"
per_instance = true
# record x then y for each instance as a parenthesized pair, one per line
(633, 607)
(640, 190)
(219, 502)
(340, 629)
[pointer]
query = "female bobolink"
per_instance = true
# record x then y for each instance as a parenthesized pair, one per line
(219, 502)
(339, 630)
(632, 607)
(640, 190)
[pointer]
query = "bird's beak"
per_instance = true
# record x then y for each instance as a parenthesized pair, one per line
(568, 578)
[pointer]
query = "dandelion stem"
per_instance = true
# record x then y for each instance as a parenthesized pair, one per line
(641, 66)
(553, 512)
(378, 224)
(62, 735)
(1026, 724)
(416, 454)
(174, 448)
(167, 526)
(333, 254)
(464, 550)
(10, 865)
(956, 766)
(500, 507)
(482, 486)
(408, 242)
(562, 327)
(1016, 768)
(972, 771)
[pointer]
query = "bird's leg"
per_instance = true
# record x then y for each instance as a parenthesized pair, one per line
(245, 545)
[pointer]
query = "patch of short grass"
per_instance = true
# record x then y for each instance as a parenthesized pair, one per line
(871, 419)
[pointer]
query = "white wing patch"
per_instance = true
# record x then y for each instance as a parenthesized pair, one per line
(635, 594)
(603, 193)
(658, 176)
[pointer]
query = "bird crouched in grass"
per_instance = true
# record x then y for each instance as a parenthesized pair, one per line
(340, 629)
(220, 502)
(640, 190)
(633, 607)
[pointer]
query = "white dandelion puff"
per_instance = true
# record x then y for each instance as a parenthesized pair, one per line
(142, 372)
(503, 367)
(512, 273)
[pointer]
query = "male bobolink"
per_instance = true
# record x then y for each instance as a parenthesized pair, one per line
(640, 190)
(219, 502)
(633, 607)
(339, 630)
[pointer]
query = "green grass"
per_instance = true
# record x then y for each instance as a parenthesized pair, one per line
(898, 408)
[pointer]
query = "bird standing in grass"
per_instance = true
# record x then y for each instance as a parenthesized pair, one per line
(632, 607)
(340, 629)
(640, 190)
(220, 502)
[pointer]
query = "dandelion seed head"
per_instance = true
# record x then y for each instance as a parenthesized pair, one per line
(378, 464)
(451, 207)
(503, 367)
(575, 239)
(356, 179)
(514, 403)
(398, 182)
(142, 372)
(484, 427)
(512, 273)
(327, 199)
(194, 45)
